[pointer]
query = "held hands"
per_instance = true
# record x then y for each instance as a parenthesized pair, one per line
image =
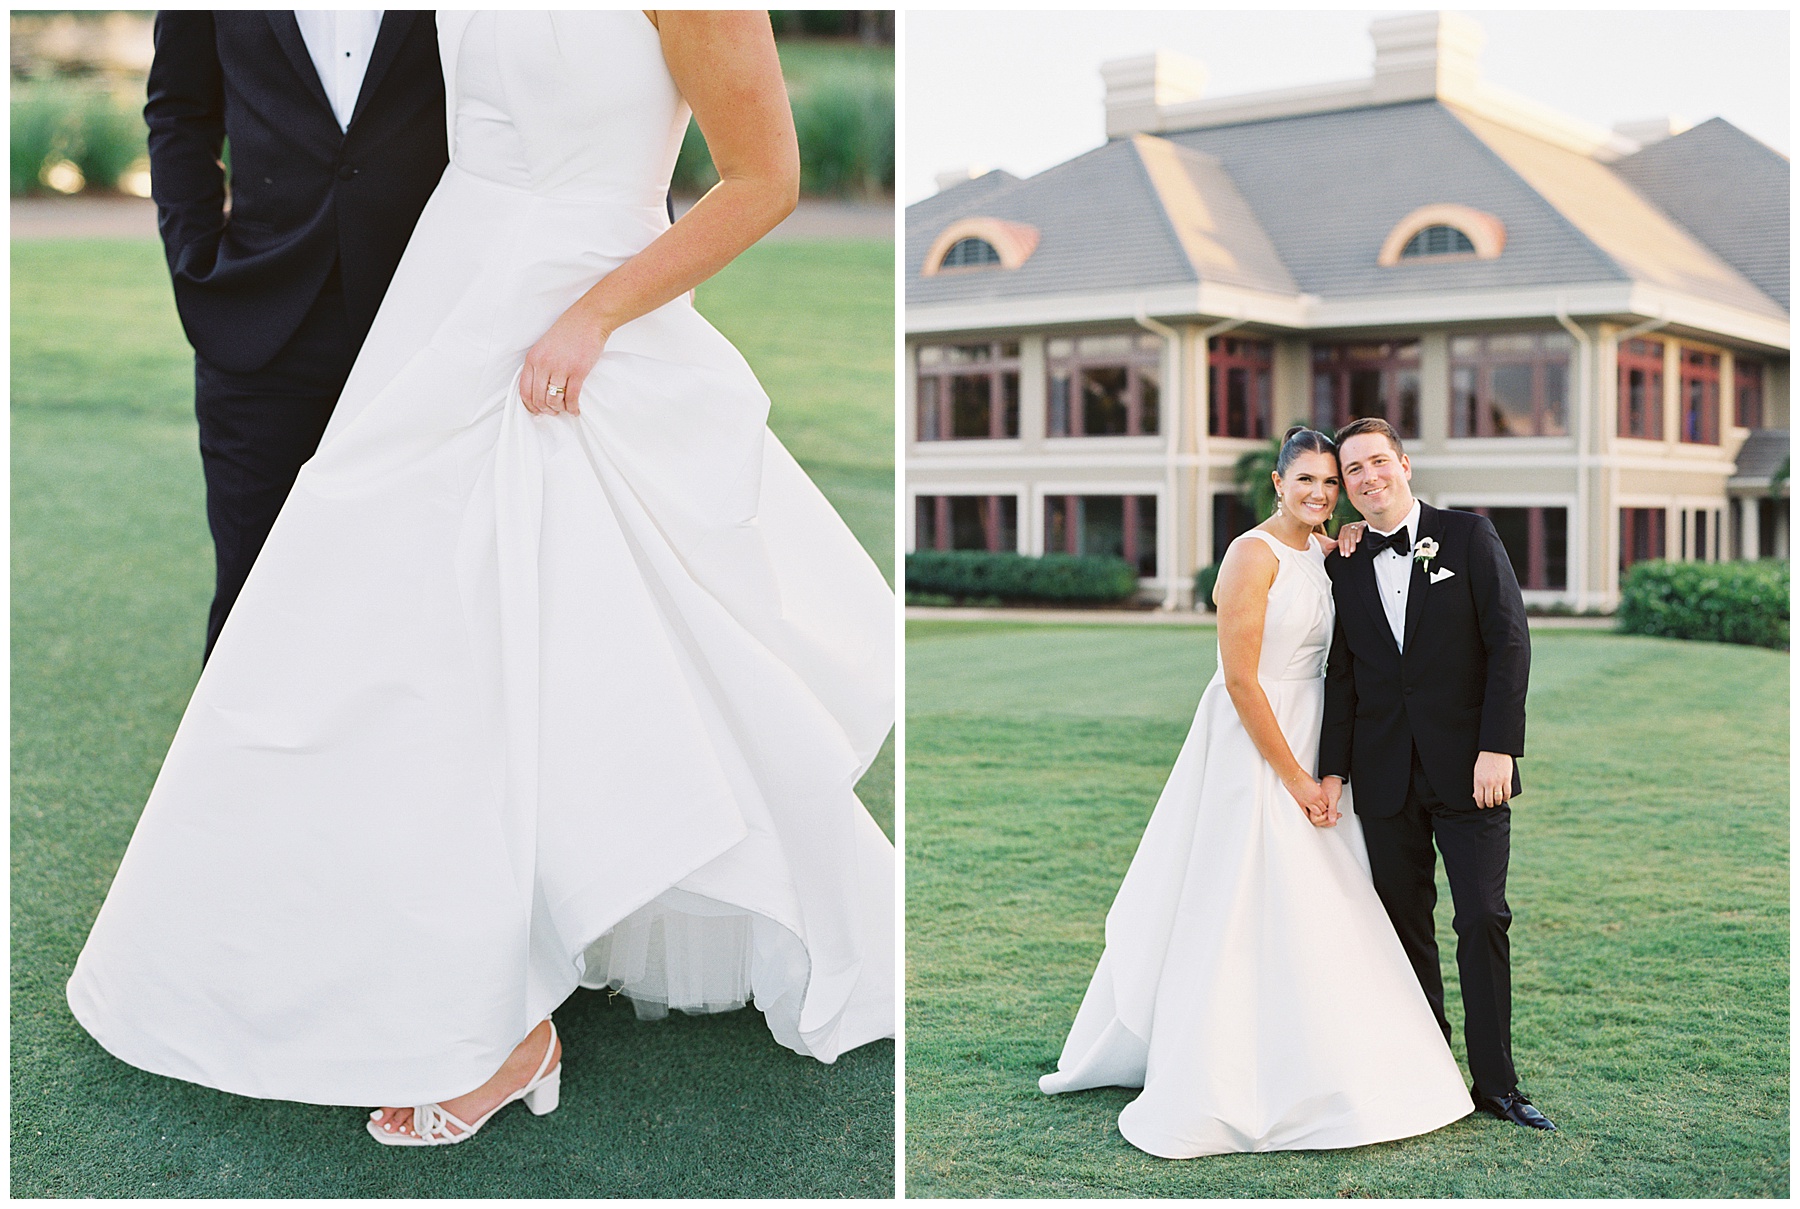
(1493, 779)
(557, 365)
(1320, 806)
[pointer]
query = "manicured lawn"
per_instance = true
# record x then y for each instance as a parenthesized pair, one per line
(111, 577)
(1650, 938)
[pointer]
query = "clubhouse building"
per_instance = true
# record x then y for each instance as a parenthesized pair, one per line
(1581, 333)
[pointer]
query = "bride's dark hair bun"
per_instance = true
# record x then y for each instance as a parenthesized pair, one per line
(1298, 440)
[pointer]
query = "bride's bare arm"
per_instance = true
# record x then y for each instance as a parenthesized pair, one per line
(725, 65)
(1242, 594)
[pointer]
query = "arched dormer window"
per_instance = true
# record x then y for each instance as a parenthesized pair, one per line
(970, 253)
(1437, 240)
(980, 245)
(1443, 232)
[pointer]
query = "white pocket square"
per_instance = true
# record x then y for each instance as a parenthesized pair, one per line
(1441, 576)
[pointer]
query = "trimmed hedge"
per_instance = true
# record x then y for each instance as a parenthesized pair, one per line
(58, 120)
(1742, 602)
(1057, 577)
(1204, 579)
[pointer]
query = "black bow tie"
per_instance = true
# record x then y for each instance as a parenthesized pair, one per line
(1399, 541)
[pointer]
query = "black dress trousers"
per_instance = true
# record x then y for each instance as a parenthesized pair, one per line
(257, 429)
(1475, 845)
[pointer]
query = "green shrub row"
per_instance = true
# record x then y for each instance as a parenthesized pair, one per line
(1204, 579)
(56, 120)
(1742, 602)
(846, 130)
(978, 575)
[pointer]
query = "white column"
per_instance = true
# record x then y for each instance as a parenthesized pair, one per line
(1752, 537)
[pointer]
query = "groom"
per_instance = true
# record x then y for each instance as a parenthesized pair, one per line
(335, 127)
(1425, 715)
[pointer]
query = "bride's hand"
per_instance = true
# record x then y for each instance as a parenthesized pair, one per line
(563, 358)
(1311, 798)
(1347, 537)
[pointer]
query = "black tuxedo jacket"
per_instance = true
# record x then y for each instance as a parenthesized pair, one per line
(1458, 690)
(304, 194)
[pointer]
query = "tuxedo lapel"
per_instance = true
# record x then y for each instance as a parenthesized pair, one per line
(287, 32)
(1429, 525)
(395, 26)
(1362, 575)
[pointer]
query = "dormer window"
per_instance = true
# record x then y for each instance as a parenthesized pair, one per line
(970, 253)
(1443, 232)
(979, 245)
(1437, 240)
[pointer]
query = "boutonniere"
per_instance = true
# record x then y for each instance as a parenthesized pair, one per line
(1424, 550)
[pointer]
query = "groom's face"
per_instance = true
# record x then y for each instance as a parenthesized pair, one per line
(1378, 478)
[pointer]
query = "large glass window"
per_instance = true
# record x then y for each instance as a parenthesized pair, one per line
(1105, 386)
(1352, 381)
(1699, 397)
(1642, 536)
(1231, 518)
(1123, 526)
(1239, 387)
(1640, 389)
(967, 522)
(1537, 544)
(1747, 384)
(968, 391)
(1512, 385)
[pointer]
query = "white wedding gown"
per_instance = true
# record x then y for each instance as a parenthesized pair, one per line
(512, 704)
(1251, 983)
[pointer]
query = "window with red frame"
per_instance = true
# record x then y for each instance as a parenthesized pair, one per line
(968, 391)
(1122, 526)
(1511, 385)
(1699, 397)
(1239, 386)
(1537, 544)
(1640, 389)
(1642, 536)
(1351, 381)
(1105, 385)
(1747, 384)
(967, 522)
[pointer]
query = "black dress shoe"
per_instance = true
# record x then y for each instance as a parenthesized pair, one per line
(1514, 1107)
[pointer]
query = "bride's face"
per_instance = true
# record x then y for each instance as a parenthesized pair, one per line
(1309, 490)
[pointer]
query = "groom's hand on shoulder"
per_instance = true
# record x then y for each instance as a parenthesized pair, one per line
(1493, 779)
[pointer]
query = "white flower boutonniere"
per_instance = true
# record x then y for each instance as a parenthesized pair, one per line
(1424, 550)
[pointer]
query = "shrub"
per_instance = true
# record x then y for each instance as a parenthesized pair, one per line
(846, 132)
(55, 120)
(1204, 579)
(1742, 602)
(974, 574)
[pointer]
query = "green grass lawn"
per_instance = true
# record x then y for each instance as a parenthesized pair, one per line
(112, 572)
(1649, 889)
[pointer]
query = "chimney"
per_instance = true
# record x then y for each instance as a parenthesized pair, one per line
(1425, 55)
(952, 177)
(1138, 88)
(1651, 130)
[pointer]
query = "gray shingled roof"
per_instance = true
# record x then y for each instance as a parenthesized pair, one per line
(1642, 240)
(1329, 187)
(1304, 203)
(1764, 450)
(1729, 190)
(1100, 227)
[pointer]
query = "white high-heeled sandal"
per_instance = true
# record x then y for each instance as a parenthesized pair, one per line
(433, 1125)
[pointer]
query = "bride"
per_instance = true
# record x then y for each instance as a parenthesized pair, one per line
(556, 669)
(1252, 984)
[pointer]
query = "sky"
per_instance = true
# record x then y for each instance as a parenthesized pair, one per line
(1021, 90)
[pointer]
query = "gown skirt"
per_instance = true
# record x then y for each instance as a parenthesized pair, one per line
(512, 704)
(1251, 983)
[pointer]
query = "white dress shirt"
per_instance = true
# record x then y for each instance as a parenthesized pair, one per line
(340, 43)
(1393, 575)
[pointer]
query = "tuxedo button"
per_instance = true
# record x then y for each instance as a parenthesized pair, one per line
(1409, 690)
(346, 172)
